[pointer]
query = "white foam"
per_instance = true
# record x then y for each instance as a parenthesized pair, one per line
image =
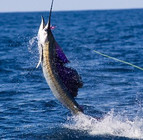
(110, 125)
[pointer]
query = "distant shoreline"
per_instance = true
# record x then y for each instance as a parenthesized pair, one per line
(73, 10)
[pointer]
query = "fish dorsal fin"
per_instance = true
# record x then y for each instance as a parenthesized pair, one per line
(60, 54)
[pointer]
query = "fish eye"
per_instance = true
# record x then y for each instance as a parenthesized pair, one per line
(45, 30)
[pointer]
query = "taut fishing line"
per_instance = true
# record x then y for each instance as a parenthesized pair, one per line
(107, 56)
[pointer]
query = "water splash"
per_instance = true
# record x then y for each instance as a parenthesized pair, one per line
(34, 53)
(114, 125)
(139, 103)
(32, 44)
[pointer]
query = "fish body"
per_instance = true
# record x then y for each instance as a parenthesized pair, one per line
(63, 81)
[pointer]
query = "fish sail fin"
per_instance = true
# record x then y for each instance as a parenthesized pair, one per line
(61, 55)
(70, 78)
(74, 82)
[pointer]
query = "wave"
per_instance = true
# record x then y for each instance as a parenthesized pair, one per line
(110, 124)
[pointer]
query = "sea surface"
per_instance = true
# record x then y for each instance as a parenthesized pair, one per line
(112, 91)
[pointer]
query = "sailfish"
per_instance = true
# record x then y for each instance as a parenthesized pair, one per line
(63, 81)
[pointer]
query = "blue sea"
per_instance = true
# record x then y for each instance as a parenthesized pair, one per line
(112, 91)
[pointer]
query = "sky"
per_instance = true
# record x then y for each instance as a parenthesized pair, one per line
(62, 5)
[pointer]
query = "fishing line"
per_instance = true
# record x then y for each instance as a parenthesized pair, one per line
(107, 56)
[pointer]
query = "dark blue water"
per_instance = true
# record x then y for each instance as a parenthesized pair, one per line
(112, 90)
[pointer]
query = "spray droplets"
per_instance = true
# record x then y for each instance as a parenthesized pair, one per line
(111, 124)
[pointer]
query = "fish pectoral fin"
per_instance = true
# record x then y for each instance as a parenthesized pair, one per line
(38, 63)
(40, 58)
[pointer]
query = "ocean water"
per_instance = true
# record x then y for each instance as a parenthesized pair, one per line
(112, 91)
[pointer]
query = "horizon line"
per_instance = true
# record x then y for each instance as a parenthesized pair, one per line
(108, 9)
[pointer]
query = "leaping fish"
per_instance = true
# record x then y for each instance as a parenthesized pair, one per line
(62, 80)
